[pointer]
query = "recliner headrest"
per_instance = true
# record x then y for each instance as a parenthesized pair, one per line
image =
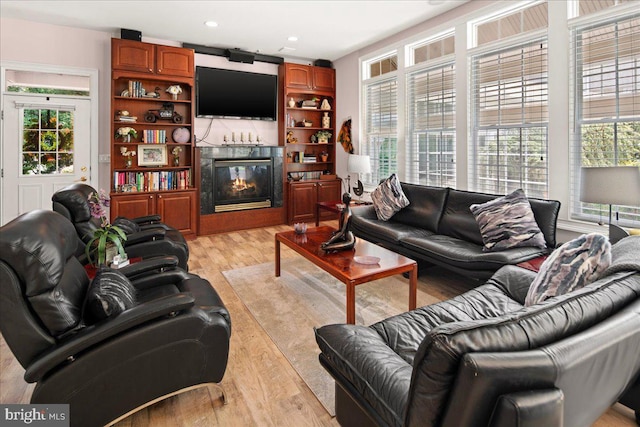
(74, 197)
(37, 245)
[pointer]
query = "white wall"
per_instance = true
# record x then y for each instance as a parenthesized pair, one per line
(348, 95)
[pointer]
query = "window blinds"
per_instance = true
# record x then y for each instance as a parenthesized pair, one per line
(431, 127)
(509, 120)
(605, 103)
(381, 123)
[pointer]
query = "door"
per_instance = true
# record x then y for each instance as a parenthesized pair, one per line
(302, 202)
(46, 146)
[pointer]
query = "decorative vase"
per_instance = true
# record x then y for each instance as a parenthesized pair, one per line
(324, 157)
(323, 140)
(292, 103)
(326, 121)
(128, 162)
(126, 138)
(174, 96)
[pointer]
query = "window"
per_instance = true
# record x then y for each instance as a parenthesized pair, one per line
(380, 121)
(587, 7)
(431, 127)
(431, 49)
(509, 119)
(511, 23)
(47, 146)
(606, 104)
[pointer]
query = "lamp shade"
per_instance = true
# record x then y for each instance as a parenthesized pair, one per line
(611, 185)
(357, 163)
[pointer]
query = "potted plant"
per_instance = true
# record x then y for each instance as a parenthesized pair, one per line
(176, 155)
(106, 236)
(323, 136)
(126, 133)
(324, 156)
(128, 156)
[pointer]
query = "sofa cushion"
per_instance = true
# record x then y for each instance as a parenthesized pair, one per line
(388, 198)
(446, 250)
(571, 266)
(364, 222)
(109, 294)
(508, 222)
(457, 220)
(425, 207)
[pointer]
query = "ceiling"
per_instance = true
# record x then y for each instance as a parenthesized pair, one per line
(325, 29)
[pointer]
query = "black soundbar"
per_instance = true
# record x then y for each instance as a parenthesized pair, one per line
(234, 55)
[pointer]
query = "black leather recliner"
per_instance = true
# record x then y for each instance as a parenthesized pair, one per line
(175, 336)
(146, 237)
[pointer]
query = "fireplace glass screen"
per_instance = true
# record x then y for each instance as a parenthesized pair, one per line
(242, 184)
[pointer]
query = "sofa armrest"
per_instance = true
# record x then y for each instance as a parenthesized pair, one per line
(102, 331)
(529, 409)
(514, 280)
(144, 236)
(367, 211)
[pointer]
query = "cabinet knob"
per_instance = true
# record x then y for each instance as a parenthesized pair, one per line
(151, 197)
(160, 70)
(151, 70)
(159, 196)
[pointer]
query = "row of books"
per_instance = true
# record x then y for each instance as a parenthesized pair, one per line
(151, 181)
(126, 119)
(135, 89)
(154, 136)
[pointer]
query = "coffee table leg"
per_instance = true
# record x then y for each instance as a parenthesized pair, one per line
(413, 287)
(277, 257)
(351, 303)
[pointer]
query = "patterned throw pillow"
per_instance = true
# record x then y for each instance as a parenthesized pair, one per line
(109, 294)
(388, 198)
(571, 266)
(508, 222)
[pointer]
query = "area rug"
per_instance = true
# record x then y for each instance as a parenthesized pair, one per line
(304, 296)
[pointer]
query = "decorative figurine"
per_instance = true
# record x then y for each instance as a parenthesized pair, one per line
(325, 105)
(343, 238)
(326, 121)
(174, 90)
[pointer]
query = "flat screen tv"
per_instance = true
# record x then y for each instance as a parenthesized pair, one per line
(235, 94)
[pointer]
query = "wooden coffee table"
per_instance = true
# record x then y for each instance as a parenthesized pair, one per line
(342, 266)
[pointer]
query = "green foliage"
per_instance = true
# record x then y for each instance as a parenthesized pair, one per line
(96, 248)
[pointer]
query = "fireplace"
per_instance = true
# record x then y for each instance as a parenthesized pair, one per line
(237, 178)
(242, 184)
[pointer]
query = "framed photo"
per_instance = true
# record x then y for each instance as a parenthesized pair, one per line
(152, 155)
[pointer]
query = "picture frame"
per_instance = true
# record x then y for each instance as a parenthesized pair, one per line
(152, 155)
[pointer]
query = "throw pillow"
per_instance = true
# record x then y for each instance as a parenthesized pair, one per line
(571, 266)
(126, 225)
(388, 198)
(109, 294)
(508, 222)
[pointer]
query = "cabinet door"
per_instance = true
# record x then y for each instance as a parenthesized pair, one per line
(178, 210)
(174, 61)
(131, 55)
(302, 202)
(132, 206)
(328, 191)
(298, 76)
(324, 79)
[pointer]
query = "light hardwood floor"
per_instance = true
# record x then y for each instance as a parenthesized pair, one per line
(262, 388)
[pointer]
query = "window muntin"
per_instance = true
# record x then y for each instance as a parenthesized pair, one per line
(606, 105)
(430, 149)
(509, 113)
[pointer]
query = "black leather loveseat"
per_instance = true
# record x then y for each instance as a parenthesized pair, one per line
(483, 358)
(439, 228)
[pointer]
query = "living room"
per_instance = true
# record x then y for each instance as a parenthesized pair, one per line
(213, 254)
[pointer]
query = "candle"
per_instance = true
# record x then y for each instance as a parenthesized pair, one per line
(233, 136)
(249, 136)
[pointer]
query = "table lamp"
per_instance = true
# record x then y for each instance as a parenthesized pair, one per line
(611, 185)
(358, 164)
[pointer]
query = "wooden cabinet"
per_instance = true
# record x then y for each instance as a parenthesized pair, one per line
(307, 108)
(176, 208)
(131, 55)
(156, 176)
(306, 77)
(303, 197)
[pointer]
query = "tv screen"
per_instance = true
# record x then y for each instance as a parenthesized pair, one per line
(235, 94)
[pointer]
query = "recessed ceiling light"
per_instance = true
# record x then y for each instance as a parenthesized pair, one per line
(292, 39)
(211, 24)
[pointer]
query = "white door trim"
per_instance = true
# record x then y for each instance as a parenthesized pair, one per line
(94, 100)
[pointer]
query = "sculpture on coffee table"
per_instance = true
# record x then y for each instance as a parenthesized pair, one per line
(342, 239)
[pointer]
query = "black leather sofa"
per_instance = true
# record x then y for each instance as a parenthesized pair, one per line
(482, 358)
(439, 228)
